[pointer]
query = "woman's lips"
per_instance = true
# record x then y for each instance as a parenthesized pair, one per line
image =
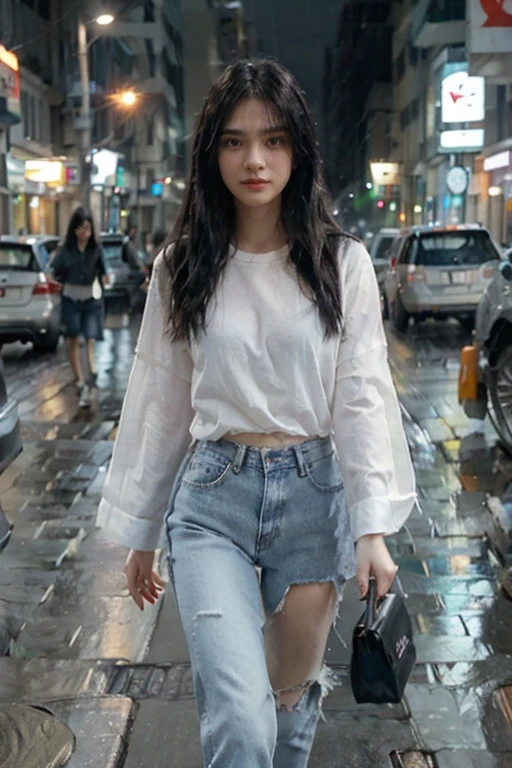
(255, 184)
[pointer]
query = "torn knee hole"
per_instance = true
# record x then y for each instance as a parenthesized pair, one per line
(289, 699)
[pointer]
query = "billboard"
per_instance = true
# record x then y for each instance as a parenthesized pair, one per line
(10, 81)
(460, 127)
(490, 26)
(462, 97)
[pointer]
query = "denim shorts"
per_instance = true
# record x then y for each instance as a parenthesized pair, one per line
(283, 510)
(82, 318)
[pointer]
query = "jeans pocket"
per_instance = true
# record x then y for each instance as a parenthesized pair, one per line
(206, 471)
(325, 473)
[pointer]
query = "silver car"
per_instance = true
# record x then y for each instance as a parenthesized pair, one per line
(30, 301)
(439, 272)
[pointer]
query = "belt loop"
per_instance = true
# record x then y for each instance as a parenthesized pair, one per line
(301, 464)
(238, 461)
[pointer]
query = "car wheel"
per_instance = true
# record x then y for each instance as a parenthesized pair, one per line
(500, 390)
(400, 315)
(47, 343)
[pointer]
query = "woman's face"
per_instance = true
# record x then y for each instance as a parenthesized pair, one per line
(83, 232)
(255, 155)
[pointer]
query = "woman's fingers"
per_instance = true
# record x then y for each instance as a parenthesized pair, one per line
(373, 558)
(144, 584)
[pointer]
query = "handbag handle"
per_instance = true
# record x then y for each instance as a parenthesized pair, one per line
(371, 603)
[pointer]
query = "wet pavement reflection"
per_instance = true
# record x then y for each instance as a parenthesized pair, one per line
(70, 634)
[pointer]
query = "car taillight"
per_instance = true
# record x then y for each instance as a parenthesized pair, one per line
(45, 287)
(413, 276)
(488, 272)
(392, 262)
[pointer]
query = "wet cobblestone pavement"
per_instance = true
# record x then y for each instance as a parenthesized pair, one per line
(70, 636)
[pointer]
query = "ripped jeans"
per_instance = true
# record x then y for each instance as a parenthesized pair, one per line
(235, 508)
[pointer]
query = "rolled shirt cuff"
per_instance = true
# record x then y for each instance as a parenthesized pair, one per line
(129, 531)
(380, 514)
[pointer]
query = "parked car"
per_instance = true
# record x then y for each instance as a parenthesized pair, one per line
(379, 249)
(439, 272)
(124, 281)
(30, 299)
(45, 245)
(485, 381)
(10, 444)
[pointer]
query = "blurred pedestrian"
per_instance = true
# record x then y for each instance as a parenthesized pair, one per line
(130, 250)
(80, 267)
(262, 340)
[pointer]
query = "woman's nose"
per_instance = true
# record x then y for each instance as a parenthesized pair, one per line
(254, 159)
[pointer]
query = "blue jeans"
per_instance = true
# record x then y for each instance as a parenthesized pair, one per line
(234, 508)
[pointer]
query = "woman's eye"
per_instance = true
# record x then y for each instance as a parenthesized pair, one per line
(232, 143)
(276, 141)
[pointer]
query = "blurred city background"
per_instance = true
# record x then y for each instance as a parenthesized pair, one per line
(413, 105)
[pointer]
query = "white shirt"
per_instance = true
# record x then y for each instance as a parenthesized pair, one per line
(263, 365)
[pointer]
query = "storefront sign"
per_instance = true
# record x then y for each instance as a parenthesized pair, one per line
(10, 81)
(501, 160)
(45, 171)
(490, 26)
(384, 174)
(462, 96)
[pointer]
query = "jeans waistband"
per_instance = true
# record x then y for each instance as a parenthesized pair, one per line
(294, 456)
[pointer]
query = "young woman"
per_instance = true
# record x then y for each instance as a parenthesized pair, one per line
(262, 340)
(80, 267)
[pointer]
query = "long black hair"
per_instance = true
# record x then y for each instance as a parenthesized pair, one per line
(79, 217)
(204, 229)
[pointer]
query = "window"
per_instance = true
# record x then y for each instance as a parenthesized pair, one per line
(501, 112)
(415, 108)
(25, 115)
(33, 118)
(400, 66)
(448, 249)
(150, 134)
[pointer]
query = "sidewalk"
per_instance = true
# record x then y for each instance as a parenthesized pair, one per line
(121, 680)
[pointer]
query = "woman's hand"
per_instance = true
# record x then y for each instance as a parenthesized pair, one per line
(143, 582)
(373, 559)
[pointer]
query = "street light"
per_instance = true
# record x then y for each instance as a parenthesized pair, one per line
(84, 124)
(105, 19)
(127, 98)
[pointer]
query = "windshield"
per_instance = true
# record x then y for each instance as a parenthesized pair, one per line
(17, 257)
(448, 249)
(112, 251)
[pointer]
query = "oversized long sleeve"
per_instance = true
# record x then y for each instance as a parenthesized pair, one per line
(153, 434)
(369, 435)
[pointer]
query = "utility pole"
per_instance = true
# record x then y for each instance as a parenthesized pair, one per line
(84, 123)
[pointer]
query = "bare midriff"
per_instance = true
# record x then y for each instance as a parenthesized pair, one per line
(274, 440)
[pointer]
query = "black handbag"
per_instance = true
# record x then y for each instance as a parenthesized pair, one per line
(383, 652)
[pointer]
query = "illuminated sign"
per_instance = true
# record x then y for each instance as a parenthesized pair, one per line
(384, 174)
(104, 166)
(10, 80)
(471, 140)
(490, 26)
(45, 171)
(501, 160)
(462, 96)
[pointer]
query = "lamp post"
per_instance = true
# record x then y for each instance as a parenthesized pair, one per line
(85, 121)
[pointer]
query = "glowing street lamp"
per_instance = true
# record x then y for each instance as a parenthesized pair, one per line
(105, 19)
(127, 98)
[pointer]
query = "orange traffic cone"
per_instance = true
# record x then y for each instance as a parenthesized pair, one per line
(468, 374)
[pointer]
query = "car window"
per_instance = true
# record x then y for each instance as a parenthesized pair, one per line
(404, 252)
(112, 252)
(383, 247)
(447, 249)
(43, 254)
(17, 257)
